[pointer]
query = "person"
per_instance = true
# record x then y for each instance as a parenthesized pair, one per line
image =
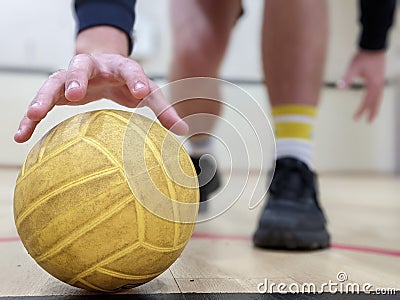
(294, 46)
(294, 43)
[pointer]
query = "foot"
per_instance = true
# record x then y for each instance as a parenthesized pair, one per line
(209, 180)
(292, 218)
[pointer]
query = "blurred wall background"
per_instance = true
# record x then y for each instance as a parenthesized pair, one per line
(38, 35)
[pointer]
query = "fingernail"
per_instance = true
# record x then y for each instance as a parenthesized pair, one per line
(35, 104)
(73, 85)
(19, 130)
(341, 84)
(139, 85)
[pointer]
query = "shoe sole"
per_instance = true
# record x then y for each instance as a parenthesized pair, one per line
(291, 240)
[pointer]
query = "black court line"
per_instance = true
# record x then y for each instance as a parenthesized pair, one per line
(238, 81)
(27, 71)
(214, 296)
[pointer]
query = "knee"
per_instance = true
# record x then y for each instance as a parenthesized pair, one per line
(199, 56)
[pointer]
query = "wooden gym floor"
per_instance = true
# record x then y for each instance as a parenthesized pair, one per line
(221, 263)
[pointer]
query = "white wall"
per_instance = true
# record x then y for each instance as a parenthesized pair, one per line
(36, 34)
(243, 56)
(39, 34)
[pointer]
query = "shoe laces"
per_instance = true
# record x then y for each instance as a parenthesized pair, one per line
(292, 180)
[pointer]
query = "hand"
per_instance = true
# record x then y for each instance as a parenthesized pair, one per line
(370, 66)
(99, 70)
(93, 77)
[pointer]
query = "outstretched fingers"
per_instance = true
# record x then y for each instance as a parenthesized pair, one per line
(134, 77)
(46, 98)
(25, 130)
(95, 76)
(143, 88)
(371, 101)
(81, 69)
(164, 111)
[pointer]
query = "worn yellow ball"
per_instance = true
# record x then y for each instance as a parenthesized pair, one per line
(105, 201)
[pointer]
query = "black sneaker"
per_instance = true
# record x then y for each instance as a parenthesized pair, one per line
(209, 180)
(292, 218)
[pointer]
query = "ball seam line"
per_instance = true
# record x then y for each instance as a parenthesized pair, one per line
(111, 258)
(121, 275)
(84, 229)
(38, 164)
(23, 215)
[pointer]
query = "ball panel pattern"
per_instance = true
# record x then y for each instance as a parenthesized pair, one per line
(79, 218)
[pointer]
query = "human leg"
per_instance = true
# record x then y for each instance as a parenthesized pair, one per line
(294, 49)
(200, 30)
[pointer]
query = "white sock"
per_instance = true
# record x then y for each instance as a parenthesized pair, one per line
(294, 127)
(297, 148)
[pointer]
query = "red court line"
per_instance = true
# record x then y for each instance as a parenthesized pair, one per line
(363, 249)
(211, 236)
(9, 239)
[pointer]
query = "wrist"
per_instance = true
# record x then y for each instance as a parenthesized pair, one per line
(102, 39)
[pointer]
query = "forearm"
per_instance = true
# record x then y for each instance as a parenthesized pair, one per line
(102, 39)
(105, 26)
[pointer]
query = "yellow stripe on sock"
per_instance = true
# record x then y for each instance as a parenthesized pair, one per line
(294, 109)
(294, 130)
